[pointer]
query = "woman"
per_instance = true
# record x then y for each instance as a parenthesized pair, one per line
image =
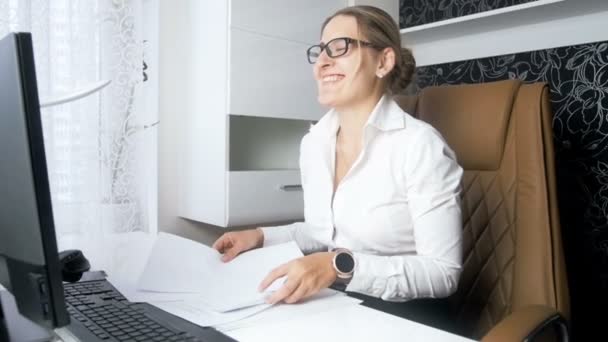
(381, 188)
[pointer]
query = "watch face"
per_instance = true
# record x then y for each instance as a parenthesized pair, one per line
(345, 262)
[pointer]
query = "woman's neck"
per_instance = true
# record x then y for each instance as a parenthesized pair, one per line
(353, 119)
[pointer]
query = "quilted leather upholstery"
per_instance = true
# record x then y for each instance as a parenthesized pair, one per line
(513, 253)
(488, 208)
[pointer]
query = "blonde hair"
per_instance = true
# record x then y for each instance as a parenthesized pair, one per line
(382, 31)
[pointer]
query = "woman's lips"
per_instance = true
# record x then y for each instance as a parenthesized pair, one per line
(331, 78)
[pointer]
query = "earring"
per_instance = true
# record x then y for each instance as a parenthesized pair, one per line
(380, 75)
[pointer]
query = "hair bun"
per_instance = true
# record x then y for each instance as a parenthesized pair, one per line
(403, 71)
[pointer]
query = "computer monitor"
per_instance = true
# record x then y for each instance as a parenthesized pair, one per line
(29, 261)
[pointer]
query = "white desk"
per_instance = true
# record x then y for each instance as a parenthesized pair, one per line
(116, 254)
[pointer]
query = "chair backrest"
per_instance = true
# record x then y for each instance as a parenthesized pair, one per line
(513, 256)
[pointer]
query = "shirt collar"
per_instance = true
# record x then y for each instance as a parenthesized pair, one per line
(386, 116)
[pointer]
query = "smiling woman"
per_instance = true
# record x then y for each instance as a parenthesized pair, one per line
(401, 242)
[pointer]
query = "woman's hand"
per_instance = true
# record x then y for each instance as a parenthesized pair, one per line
(305, 277)
(234, 243)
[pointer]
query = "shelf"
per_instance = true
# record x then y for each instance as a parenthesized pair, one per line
(485, 14)
(532, 26)
(260, 143)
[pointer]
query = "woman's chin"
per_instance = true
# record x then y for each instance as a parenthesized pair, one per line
(327, 101)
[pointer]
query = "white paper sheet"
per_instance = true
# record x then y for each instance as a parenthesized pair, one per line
(176, 264)
(325, 300)
(196, 312)
(184, 266)
(128, 288)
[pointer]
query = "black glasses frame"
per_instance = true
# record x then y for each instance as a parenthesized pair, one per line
(333, 54)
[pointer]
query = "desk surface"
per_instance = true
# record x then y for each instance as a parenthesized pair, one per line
(343, 323)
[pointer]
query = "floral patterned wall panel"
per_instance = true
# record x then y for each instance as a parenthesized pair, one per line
(578, 79)
(419, 12)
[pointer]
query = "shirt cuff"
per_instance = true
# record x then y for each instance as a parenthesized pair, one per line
(361, 282)
(365, 279)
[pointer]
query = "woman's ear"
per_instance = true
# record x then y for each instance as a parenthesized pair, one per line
(386, 62)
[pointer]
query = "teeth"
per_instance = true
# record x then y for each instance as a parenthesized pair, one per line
(332, 78)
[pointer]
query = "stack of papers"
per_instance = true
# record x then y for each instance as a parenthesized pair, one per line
(178, 265)
(189, 280)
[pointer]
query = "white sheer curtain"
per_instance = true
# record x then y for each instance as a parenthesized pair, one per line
(98, 148)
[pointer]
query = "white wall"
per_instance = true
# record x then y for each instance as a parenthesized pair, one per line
(390, 6)
(172, 20)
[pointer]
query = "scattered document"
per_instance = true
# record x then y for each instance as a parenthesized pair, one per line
(197, 312)
(183, 266)
(128, 288)
(325, 300)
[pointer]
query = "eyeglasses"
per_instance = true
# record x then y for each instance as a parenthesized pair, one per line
(334, 48)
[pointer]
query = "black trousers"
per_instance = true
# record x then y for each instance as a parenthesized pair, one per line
(434, 312)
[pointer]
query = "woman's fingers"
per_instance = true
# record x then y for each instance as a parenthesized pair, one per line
(285, 291)
(234, 243)
(231, 252)
(228, 246)
(222, 243)
(272, 276)
(300, 293)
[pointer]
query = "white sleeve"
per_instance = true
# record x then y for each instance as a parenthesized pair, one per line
(299, 231)
(293, 232)
(433, 184)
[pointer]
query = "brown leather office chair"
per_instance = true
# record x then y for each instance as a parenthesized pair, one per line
(513, 286)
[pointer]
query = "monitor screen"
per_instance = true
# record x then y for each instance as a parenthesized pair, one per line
(29, 262)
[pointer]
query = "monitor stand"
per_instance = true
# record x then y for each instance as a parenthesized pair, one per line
(15, 327)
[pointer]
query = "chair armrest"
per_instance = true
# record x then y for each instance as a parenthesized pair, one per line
(525, 324)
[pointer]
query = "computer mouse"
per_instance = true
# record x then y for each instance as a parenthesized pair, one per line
(73, 265)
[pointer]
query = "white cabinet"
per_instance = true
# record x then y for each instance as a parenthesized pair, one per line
(249, 97)
(270, 77)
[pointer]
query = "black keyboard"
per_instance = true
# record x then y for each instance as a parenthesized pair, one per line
(99, 312)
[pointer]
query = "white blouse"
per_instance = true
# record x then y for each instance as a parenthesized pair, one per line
(397, 209)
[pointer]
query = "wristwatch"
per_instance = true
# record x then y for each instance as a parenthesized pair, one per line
(344, 264)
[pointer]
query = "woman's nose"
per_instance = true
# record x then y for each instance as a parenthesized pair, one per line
(323, 59)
